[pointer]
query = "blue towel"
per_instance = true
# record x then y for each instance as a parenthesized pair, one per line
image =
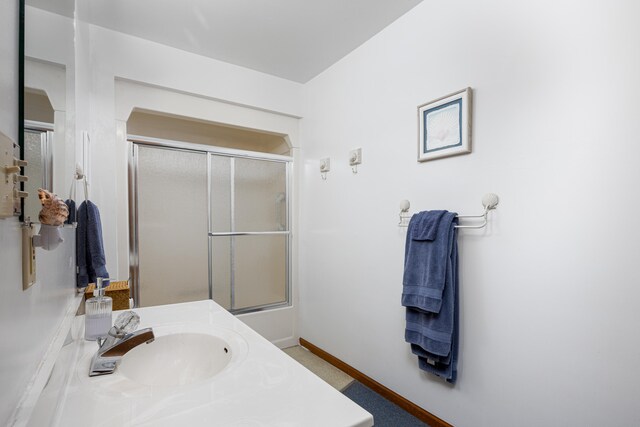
(430, 292)
(426, 252)
(71, 205)
(89, 247)
(444, 366)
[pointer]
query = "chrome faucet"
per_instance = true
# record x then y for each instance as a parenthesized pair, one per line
(120, 339)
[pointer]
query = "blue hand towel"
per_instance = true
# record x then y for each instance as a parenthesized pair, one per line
(89, 246)
(430, 292)
(434, 331)
(426, 252)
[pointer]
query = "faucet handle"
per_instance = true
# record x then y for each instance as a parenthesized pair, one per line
(125, 323)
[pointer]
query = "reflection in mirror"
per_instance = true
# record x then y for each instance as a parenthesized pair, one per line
(44, 88)
(37, 153)
(49, 92)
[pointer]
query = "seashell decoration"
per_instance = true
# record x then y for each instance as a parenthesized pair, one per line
(54, 211)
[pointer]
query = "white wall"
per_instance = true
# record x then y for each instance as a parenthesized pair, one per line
(549, 291)
(28, 319)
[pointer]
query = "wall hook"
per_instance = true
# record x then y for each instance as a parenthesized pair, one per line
(355, 158)
(404, 212)
(325, 166)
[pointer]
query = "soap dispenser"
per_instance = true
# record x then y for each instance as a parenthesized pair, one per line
(98, 311)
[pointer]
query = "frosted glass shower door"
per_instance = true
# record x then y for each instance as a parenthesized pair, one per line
(171, 189)
(249, 232)
(39, 169)
(209, 224)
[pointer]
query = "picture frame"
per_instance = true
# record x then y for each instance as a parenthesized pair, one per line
(444, 126)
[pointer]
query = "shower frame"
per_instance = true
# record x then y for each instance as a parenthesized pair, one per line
(134, 141)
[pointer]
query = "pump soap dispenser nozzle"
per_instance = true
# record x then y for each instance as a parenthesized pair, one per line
(100, 286)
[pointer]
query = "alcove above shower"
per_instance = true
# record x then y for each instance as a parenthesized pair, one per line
(185, 129)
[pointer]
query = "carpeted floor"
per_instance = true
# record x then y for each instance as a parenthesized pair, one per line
(385, 413)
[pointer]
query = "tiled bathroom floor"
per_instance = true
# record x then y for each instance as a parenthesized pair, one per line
(329, 373)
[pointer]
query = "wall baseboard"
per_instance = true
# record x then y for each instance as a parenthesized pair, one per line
(387, 393)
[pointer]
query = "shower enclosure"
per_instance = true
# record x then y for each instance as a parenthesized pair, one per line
(208, 222)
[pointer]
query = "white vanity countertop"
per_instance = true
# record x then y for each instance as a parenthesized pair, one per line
(262, 386)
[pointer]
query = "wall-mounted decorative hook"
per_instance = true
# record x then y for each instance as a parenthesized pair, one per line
(355, 158)
(325, 166)
(404, 212)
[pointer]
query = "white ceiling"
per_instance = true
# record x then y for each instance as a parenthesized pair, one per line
(292, 39)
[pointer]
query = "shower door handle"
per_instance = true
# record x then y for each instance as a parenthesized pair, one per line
(280, 200)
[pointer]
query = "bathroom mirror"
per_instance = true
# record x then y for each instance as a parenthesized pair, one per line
(47, 98)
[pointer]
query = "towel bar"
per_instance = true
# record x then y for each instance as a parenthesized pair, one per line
(489, 201)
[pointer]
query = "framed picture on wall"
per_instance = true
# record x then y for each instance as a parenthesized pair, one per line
(444, 126)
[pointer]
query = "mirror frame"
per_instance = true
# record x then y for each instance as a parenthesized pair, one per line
(21, 37)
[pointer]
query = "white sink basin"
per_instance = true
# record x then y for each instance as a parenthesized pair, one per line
(176, 359)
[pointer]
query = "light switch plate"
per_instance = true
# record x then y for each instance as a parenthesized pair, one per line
(6, 176)
(28, 257)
